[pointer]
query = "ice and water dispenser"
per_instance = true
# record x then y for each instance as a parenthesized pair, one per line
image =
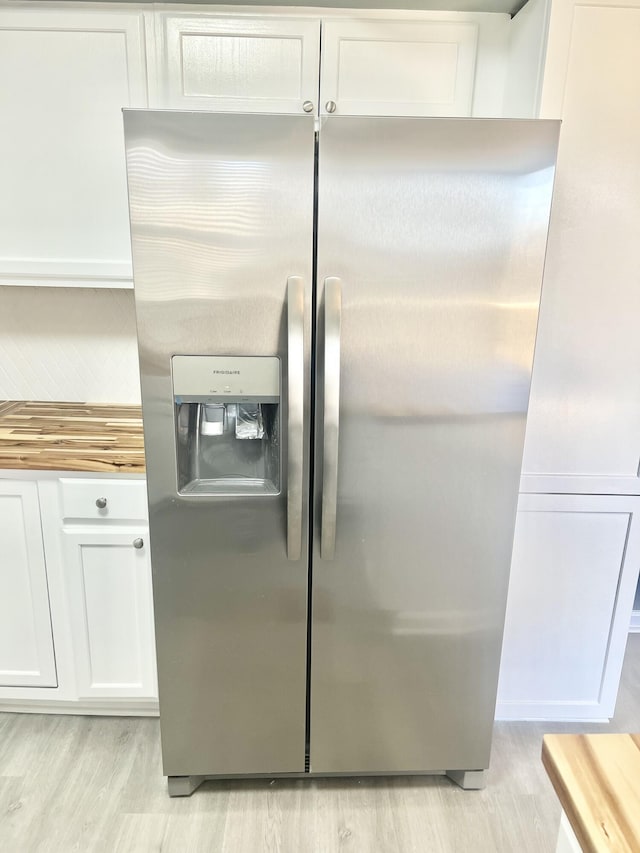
(227, 411)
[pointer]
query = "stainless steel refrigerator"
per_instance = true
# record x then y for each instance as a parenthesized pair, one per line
(336, 330)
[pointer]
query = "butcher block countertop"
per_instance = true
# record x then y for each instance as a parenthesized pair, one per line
(71, 437)
(597, 779)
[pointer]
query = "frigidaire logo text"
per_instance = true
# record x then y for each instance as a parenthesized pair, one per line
(228, 372)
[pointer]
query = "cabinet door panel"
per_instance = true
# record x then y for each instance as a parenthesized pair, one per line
(420, 68)
(26, 644)
(247, 64)
(584, 413)
(109, 589)
(63, 209)
(571, 591)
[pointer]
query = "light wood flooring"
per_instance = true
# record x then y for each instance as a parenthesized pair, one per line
(92, 784)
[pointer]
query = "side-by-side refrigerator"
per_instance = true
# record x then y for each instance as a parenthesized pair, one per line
(336, 330)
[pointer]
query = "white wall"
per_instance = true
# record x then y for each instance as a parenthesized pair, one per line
(71, 344)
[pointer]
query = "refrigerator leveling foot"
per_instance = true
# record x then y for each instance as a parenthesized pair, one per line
(470, 780)
(183, 786)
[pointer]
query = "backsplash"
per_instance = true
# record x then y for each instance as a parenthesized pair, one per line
(74, 344)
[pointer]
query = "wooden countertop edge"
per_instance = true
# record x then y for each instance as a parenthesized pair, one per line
(101, 439)
(591, 831)
(85, 466)
(566, 801)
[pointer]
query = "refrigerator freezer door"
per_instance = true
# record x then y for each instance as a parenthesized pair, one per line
(222, 221)
(436, 230)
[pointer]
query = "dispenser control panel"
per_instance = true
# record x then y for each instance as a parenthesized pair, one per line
(216, 378)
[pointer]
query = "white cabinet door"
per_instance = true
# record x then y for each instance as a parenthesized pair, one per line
(108, 583)
(573, 579)
(26, 644)
(583, 430)
(66, 74)
(412, 68)
(264, 64)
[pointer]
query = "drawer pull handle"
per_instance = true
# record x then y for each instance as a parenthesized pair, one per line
(138, 543)
(101, 503)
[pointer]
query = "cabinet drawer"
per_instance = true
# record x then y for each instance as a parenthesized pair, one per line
(122, 500)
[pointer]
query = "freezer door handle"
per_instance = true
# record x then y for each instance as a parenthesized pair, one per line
(295, 414)
(331, 423)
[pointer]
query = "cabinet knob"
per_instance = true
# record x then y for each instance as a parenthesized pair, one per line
(307, 107)
(101, 503)
(330, 106)
(138, 543)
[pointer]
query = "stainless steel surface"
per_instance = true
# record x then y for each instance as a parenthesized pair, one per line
(470, 780)
(308, 106)
(330, 106)
(295, 414)
(138, 543)
(183, 786)
(437, 229)
(221, 211)
(212, 378)
(331, 415)
(101, 503)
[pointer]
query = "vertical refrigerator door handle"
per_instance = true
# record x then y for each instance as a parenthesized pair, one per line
(331, 424)
(295, 414)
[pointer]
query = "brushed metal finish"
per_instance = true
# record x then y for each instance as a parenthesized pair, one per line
(138, 543)
(295, 414)
(183, 786)
(330, 106)
(308, 106)
(469, 780)
(101, 503)
(221, 215)
(437, 229)
(331, 415)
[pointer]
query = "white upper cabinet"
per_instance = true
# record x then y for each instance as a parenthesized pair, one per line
(261, 64)
(66, 74)
(411, 68)
(26, 644)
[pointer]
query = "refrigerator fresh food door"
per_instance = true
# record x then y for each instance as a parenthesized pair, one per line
(221, 212)
(431, 243)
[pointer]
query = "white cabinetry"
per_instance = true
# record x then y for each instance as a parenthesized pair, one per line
(574, 570)
(573, 576)
(583, 433)
(26, 645)
(107, 578)
(108, 581)
(433, 63)
(95, 576)
(399, 68)
(212, 62)
(66, 75)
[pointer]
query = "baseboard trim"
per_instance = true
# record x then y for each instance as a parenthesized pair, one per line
(142, 708)
(551, 712)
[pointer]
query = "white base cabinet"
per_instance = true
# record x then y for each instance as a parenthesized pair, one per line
(76, 611)
(108, 581)
(26, 643)
(573, 579)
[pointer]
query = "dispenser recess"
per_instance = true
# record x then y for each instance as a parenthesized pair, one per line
(227, 424)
